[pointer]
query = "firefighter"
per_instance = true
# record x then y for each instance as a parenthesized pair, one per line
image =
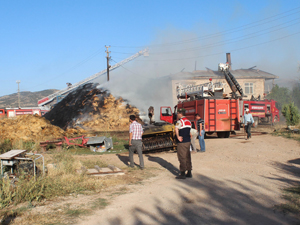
(151, 114)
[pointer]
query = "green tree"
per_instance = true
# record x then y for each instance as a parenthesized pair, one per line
(296, 95)
(280, 94)
(291, 114)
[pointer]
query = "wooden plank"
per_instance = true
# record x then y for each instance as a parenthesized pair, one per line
(11, 154)
(103, 171)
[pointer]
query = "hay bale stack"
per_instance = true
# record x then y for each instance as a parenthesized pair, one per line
(92, 108)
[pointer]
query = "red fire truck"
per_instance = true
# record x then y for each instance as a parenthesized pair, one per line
(263, 111)
(220, 115)
(2, 113)
(13, 112)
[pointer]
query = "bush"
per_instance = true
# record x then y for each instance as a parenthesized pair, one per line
(291, 114)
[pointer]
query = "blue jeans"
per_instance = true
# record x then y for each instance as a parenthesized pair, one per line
(201, 141)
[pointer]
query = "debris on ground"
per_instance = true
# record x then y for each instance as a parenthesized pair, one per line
(101, 171)
(91, 108)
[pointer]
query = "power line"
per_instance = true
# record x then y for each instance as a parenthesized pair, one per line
(220, 43)
(128, 69)
(222, 32)
(219, 53)
(72, 68)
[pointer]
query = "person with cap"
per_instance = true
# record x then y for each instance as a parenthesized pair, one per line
(135, 141)
(182, 130)
(248, 121)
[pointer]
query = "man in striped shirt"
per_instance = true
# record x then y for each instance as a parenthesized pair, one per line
(135, 141)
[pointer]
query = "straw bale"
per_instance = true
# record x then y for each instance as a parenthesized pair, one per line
(29, 128)
(92, 108)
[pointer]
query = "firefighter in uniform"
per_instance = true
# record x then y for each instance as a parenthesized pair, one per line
(182, 130)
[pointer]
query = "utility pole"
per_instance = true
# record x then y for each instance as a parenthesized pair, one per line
(108, 58)
(18, 82)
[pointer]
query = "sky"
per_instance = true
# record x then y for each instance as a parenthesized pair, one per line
(46, 44)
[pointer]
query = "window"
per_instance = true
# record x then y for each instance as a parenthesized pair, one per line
(249, 88)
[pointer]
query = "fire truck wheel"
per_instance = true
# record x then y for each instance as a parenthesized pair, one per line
(255, 121)
(221, 134)
(227, 134)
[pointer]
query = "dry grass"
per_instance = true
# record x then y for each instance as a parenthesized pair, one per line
(63, 195)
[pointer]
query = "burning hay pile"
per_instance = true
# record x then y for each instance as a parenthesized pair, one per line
(91, 108)
(29, 128)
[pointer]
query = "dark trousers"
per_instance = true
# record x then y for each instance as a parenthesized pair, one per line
(184, 156)
(136, 146)
(248, 129)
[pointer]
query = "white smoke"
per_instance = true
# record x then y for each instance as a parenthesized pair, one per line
(143, 82)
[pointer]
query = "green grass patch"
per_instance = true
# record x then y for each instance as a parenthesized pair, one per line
(99, 203)
(292, 197)
(287, 134)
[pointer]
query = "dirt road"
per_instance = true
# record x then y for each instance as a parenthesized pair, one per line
(234, 182)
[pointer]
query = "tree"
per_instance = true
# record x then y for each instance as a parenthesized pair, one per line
(296, 95)
(291, 114)
(280, 94)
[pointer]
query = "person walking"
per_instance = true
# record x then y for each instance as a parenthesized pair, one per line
(201, 131)
(135, 141)
(182, 130)
(194, 134)
(248, 121)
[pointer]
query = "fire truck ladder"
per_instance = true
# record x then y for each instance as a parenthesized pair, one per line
(233, 84)
(212, 117)
(200, 89)
(67, 90)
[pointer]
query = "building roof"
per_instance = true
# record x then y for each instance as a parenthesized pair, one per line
(240, 73)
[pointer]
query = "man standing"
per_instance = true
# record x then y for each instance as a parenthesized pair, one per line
(248, 121)
(182, 130)
(194, 134)
(135, 141)
(201, 131)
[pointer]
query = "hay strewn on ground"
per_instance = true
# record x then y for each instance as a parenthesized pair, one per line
(29, 128)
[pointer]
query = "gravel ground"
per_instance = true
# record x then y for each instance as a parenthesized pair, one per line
(234, 182)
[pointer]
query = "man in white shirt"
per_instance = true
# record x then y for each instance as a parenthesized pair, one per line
(248, 121)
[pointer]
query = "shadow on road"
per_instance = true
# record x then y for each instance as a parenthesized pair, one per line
(169, 166)
(124, 159)
(290, 169)
(218, 202)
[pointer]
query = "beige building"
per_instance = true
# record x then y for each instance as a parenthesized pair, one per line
(252, 81)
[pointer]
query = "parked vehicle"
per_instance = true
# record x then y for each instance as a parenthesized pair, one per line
(263, 111)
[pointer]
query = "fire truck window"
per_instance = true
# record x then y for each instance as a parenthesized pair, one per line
(166, 112)
(249, 88)
(246, 106)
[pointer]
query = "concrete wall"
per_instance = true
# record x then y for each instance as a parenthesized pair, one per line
(257, 84)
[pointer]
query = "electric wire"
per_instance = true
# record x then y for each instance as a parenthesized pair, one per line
(229, 41)
(219, 33)
(219, 53)
(72, 68)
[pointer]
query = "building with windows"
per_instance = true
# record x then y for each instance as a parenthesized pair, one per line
(253, 81)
